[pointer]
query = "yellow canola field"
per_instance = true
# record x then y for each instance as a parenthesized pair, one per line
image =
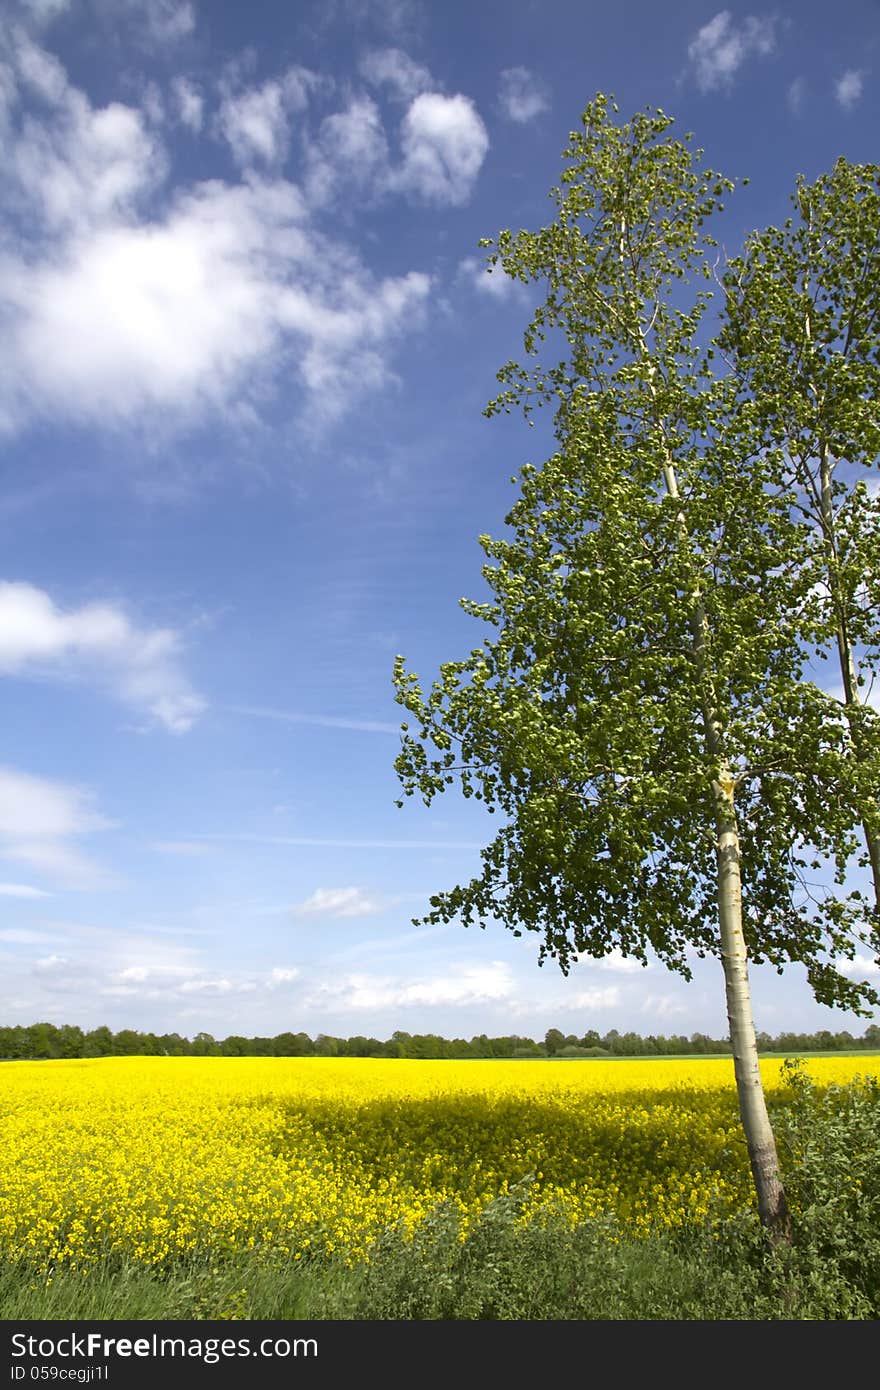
(160, 1157)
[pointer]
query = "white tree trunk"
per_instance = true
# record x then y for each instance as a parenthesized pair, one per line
(761, 1145)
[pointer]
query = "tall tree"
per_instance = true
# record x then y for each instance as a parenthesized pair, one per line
(803, 335)
(640, 718)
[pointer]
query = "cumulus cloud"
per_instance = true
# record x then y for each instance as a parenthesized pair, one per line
(40, 821)
(444, 143)
(119, 304)
(140, 666)
(521, 95)
(338, 902)
(183, 315)
(74, 166)
(394, 69)
(848, 88)
(722, 46)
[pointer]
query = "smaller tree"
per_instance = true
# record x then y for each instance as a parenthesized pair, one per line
(802, 333)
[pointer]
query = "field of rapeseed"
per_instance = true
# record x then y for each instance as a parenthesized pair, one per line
(152, 1159)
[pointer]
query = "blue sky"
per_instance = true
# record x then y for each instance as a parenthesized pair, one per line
(247, 337)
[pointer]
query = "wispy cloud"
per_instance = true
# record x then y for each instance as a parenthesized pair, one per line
(795, 95)
(39, 824)
(190, 849)
(720, 48)
(325, 721)
(663, 1005)
(395, 70)
(338, 902)
(255, 121)
(190, 103)
(98, 642)
(342, 843)
(521, 95)
(21, 890)
(848, 88)
(460, 987)
(489, 281)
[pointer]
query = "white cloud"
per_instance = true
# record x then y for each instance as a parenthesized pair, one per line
(255, 122)
(325, 721)
(490, 281)
(460, 988)
(183, 316)
(114, 312)
(848, 88)
(869, 696)
(187, 848)
(663, 1005)
(98, 641)
(167, 21)
(39, 818)
(154, 23)
(21, 890)
(607, 998)
(860, 967)
(393, 68)
(521, 95)
(616, 961)
(282, 975)
(42, 12)
(796, 95)
(34, 808)
(76, 166)
(721, 47)
(338, 902)
(51, 963)
(156, 980)
(190, 103)
(350, 150)
(23, 936)
(444, 143)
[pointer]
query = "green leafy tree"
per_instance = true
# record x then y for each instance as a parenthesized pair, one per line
(803, 335)
(638, 712)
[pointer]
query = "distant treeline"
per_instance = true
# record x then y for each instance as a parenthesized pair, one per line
(43, 1041)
